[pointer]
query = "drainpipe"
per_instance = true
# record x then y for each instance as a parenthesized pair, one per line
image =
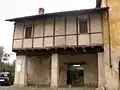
(109, 39)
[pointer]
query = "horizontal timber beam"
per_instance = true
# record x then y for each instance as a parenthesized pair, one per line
(61, 50)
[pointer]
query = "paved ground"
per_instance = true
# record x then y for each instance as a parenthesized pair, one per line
(34, 88)
(18, 88)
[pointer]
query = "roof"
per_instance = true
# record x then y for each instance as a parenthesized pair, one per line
(74, 12)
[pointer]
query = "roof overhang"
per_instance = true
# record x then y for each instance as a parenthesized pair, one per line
(65, 13)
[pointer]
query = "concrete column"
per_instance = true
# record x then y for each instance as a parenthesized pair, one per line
(54, 70)
(101, 70)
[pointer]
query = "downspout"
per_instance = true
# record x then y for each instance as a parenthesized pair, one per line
(109, 38)
(109, 34)
(98, 2)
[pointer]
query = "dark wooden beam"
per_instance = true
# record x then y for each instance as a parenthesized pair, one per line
(89, 20)
(65, 20)
(44, 31)
(77, 29)
(54, 21)
(33, 32)
(61, 50)
(13, 35)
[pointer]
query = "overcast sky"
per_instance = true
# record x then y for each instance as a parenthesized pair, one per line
(18, 8)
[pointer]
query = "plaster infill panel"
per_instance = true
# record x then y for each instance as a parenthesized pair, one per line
(83, 39)
(27, 43)
(96, 39)
(48, 41)
(49, 27)
(38, 28)
(60, 41)
(17, 44)
(96, 23)
(59, 26)
(71, 25)
(38, 42)
(71, 40)
(18, 33)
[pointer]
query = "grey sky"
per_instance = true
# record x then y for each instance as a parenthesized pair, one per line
(18, 8)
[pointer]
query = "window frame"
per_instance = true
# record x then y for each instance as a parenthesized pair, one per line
(25, 29)
(88, 30)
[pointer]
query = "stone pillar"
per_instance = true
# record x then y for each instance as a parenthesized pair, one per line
(26, 72)
(20, 70)
(101, 70)
(54, 70)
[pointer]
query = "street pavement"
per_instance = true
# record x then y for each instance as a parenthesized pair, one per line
(35, 88)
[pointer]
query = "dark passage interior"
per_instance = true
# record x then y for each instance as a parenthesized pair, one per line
(75, 74)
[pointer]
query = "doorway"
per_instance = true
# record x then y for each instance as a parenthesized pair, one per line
(75, 75)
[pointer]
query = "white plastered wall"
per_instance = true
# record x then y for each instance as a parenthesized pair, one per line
(96, 27)
(38, 29)
(18, 30)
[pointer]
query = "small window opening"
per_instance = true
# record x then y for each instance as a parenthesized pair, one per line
(75, 75)
(28, 31)
(83, 27)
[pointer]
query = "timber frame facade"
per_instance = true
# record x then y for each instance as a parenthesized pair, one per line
(53, 40)
(51, 45)
(68, 22)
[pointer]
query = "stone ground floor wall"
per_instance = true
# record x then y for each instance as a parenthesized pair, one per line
(90, 67)
(39, 70)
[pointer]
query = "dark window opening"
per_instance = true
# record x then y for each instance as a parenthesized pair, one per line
(75, 75)
(28, 31)
(83, 27)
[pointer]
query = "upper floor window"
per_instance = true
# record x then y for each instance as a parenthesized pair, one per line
(28, 31)
(83, 26)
